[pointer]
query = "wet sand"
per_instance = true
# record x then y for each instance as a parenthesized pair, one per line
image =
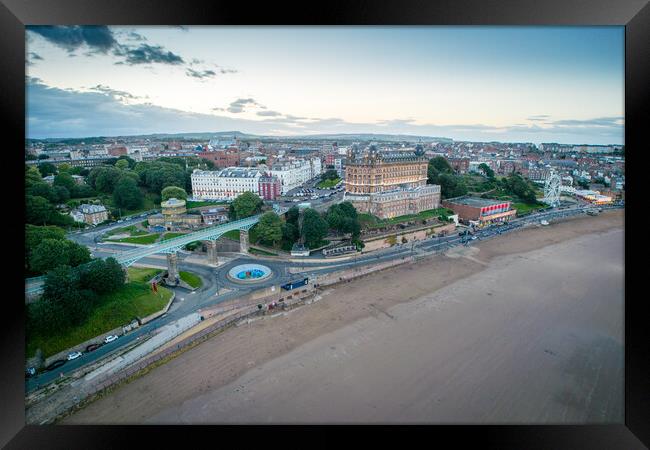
(525, 328)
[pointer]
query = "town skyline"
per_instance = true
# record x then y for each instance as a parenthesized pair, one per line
(482, 84)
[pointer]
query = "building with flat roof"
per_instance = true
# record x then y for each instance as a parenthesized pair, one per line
(482, 211)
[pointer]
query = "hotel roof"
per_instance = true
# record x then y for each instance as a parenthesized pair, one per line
(476, 202)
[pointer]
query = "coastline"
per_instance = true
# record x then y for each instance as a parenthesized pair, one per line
(195, 379)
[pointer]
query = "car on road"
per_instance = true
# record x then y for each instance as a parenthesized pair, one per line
(110, 338)
(74, 355)
(30, 372)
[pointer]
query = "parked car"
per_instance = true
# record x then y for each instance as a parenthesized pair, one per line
(74, 355)
(109, 339)
(30, 372)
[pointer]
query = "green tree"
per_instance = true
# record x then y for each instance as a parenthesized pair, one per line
(269, 228)
(62, 289)
(245, 205)
(173, 192)
(47, 255)
(77, 254)
(38, 210)
(82, 191)
(43, 156)
(80, 171)
(122, 164)
(436, 167)
(102, 276)
(290, 233)
(314, 228)
(329, 174)
(32, 176)
(61, 194)
(126, 194)
(42, 189)
(106, 179)
(47, 169)
(451, 185)
(292, 215)
(487, 170)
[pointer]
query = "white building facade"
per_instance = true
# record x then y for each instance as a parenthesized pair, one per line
(295, 173)
(226, 184)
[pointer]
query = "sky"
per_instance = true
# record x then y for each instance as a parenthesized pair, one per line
(474, 83)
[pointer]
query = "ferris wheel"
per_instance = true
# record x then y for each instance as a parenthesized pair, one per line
(552, 189)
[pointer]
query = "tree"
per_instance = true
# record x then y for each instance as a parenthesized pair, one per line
(42, 189)
(451, 186)
(43, 156)
(156, 175)
(126, 194)
(51, 253)
(102, 276)
(269, 228)
(82, 191)
(290, 232)
(292, 215)
(47, 255)
(487, 170)
(245, 205)
(63, 291)
(343, 217)
(47, 169)
(61, 194)
(65, 167)
(38, 210)
(32, 176)
(77, 254)
(131, 162)
(122, 164)
(314, 228)
(173, 192)
(330, 174)
(105, 179)
(436, 167)
(80, 171)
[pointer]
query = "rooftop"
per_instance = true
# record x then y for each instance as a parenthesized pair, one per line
(475, 201)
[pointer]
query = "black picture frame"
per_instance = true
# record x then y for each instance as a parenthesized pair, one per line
(633, 14)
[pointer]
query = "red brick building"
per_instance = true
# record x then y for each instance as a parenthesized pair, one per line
(223, 158)
(117, 151)
(460, 165)
(269, 187)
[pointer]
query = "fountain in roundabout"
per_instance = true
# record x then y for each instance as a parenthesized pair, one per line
(249, 273)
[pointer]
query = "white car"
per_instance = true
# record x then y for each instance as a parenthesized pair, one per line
(74, 355)
(109, 339)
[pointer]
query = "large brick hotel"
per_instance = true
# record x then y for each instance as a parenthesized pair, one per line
(389, 184)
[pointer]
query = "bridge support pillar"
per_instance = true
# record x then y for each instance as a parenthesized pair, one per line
(172, 269)
(243, 241)
(212, 252)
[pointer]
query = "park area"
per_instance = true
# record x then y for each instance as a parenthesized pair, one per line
(133, 299)
(370, 222)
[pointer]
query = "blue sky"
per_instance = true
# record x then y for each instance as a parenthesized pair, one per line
(520, 84)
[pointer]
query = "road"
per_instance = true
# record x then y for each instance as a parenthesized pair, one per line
(214, 279)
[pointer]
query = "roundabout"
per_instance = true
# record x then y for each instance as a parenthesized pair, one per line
(249, 273)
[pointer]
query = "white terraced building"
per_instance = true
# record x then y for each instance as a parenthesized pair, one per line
(224, 184)
(295, 173)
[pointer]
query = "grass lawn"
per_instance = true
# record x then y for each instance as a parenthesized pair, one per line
(142, 274)
(191, 279)
(190, 204)
(134, 299)
(171, 235)
(328, 183)
(131, 229)
(145, 239)
(257, 251)
(523, 208)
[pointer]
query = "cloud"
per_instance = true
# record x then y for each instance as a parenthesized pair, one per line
(268, 113)
(147, 54)
(114, 93)
(55, 112)
(240, 105)
(200, 74)
(539, 117)
(98, 38)
(35, 55)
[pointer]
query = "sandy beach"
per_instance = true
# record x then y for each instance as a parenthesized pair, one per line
(524, 328)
